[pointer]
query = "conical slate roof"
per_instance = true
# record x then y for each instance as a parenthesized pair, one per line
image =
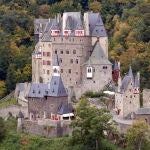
(116, 67)
(63, 109)
(98, 56)
(56, 62)
(56, 87)
(136, 82)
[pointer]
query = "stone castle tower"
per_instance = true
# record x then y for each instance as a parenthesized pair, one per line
(81, 44)
(127, 95)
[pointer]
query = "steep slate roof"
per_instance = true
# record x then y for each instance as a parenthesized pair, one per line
(56, 62)
(39, 25)
(143, 111)
(73, 19)
(136, 82)
(63, 109)
(54, 25)
(69, 23)
(46, 37)
(79, 25)
(125, 82)
(98, 56)
(130, 73)
(38, 90)
(96, 25)
(56, 87)
(116, 67)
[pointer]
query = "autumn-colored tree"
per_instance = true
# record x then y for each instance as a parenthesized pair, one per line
(137, 134)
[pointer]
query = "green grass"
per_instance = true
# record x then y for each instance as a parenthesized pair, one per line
(11, 101)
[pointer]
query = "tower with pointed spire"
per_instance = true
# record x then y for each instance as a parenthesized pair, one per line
(46, 99)
(127, 100)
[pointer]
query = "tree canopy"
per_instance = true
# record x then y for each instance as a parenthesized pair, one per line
(91, 124)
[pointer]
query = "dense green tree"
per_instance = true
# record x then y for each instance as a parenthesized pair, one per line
(91, 124)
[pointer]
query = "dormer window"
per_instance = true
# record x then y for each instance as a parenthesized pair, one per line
(79, 32)
(67, 32)
(55, 32)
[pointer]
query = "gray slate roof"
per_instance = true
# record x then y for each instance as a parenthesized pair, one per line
(38, 90)
(136, 82)
(63, 109)
(56, 87)
(116, 67)
(143, 111)
(56, 62)
(125, 82)
(98, 56)
(74, 21)
(96, 25)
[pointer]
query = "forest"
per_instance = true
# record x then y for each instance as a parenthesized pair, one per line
(127, 24)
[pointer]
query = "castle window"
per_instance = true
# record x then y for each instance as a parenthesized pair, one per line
(93, 69)
(61, 52)
(67, 52)
(39, 92)
(89, 70)
(61, 39)
(55, 51)
(74, 51)
(93, 81)
(130, 96)
(104, 67)
(44, 62)
(54, 39)
(76, 61)
(71, 61)
(60, 60)
(61, 70)
(130, 102)
(54, 82)
(69, 70)
(44, 53)
(48, 53)
(49, 45)
(48, 62)
(53, 90)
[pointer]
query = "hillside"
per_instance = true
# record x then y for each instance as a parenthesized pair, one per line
(127, 24)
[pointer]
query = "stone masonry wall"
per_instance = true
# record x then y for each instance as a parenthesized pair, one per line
(50, 130)
(51, 104)
(146, 98)
(14, 110)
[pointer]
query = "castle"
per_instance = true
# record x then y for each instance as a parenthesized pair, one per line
(70, 58)
(81, 44)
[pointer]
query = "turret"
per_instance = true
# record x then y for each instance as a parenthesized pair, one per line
(119, 79)
(136, 84)
(56, 67)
